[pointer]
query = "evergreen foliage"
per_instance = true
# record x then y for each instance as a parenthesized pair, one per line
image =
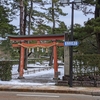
(86, 62)
(5, 70)
(6, 28)
(45, 13)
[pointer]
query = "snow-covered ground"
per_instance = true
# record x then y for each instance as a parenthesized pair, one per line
(34, 75)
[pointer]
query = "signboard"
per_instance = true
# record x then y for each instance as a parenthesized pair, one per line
(71, 43)
(64, 1)
(78, 1)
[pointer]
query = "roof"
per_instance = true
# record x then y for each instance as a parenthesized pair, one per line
(37, 37)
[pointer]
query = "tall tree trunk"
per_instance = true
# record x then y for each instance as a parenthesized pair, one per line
(21, 17)
(53, 32)
(29, 26)
(25, 17)
(97, 14)
(30, 15)
(53, 18)
(26, 53)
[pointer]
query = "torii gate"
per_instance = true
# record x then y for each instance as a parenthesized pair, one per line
(22, 38)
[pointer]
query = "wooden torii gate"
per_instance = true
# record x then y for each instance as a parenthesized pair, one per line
(21, 39)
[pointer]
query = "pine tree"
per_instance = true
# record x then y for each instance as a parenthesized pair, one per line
(91, 28)
(5, 27)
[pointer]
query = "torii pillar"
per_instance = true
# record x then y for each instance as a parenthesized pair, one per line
(21, 65)
(55, 60)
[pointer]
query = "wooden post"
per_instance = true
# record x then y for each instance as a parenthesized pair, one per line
(21, 72)
(55, 60)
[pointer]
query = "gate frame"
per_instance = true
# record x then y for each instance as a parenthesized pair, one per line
(23, 38)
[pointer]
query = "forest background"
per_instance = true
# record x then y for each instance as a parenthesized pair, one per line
(45, 20)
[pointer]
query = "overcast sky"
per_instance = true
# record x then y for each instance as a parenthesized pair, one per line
(79, 17)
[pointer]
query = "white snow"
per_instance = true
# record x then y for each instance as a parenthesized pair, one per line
(28, 74)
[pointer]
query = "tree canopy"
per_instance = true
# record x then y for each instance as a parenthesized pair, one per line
(42, 17)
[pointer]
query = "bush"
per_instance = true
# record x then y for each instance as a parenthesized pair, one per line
(5, 70)
(87, 63)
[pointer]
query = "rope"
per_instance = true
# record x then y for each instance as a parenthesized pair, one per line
(38, 45)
